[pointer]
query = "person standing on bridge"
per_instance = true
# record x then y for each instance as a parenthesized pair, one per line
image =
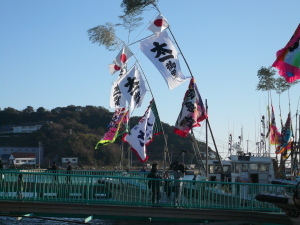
(69, 168)
(20, 186)
(54, 168)
(154, 183)
(178, 171)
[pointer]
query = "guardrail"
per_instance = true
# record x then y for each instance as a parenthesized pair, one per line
(133, 189)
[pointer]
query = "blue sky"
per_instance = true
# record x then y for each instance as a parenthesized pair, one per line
(47, 60)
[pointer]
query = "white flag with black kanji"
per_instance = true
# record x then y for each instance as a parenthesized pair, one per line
(132, 87)
(141, 135)
(162, 53)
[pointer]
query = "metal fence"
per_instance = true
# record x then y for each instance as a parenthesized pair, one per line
(123, 188)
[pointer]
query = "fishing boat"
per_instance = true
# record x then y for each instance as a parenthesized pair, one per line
(288, 200)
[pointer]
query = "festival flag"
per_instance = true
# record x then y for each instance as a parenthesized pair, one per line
(288, 59)
(286, 134)
(116, 127)
(117, 100)
(162, 53)
(132, 87)
(141, 135)
(192, 111)
(158, 24)
(286, 152)
(121, 60)
(273, 133)
(157, 128)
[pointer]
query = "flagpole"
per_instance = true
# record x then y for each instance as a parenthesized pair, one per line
(206, 158)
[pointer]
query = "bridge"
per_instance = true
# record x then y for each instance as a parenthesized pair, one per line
(125, 196)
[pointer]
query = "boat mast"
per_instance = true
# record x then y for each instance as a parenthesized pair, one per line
(206, 157)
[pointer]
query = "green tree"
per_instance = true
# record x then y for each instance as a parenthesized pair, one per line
(266, 79)
(28, 109)
(267, 82)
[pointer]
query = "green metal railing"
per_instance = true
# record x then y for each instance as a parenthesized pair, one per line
(132, 189)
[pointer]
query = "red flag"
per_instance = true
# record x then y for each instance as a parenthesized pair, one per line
(274, 134)
(192, 111)
(288, 59)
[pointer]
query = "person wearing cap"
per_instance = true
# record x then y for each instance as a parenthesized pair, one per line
(154, 183)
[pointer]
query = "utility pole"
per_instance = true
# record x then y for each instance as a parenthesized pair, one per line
(40, 150)
(206, 158)
(247, 146)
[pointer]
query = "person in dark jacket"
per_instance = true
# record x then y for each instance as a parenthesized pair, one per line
(54, 168)
(69, 168)
(154, 184)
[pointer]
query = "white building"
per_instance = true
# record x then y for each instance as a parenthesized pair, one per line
(73, 160)
(37, 151)
(28, 127)
(22, 159)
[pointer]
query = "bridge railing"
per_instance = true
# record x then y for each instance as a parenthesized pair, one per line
(133, 189)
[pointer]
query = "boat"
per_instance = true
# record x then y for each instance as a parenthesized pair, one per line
(288, 200)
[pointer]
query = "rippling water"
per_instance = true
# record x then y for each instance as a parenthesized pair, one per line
(73, 221)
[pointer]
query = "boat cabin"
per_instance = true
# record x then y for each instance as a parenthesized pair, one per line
(242, 168)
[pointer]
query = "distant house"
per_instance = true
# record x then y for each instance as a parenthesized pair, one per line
(22, 158)
(73, 160)
(9, 150)
(28, 127)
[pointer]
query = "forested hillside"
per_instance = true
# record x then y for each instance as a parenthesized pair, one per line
(75, 130)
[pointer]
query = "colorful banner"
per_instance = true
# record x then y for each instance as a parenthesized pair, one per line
(192, 111)
(288, 59)
(286, 135)
(118, 122)
(273, 133)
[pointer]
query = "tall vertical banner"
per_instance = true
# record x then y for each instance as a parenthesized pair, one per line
(117, 100)
(132, 87)
(273, 133)
(162, 53)
(118, 121)
(141, 135)
(288, 59)
(286, 134)
(192, 111)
